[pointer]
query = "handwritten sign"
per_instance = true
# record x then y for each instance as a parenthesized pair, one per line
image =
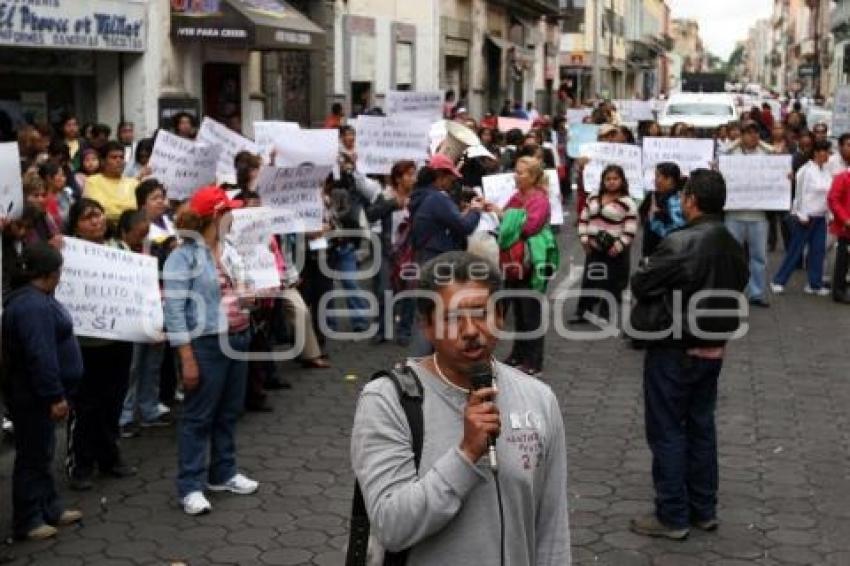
(251, 231)
(634, 111)
(298, 190)
(428, 105)
(110, 293)
(181, 165)
(603, 154)
(577, 115)
(215, 134)
(688, 154)
(266, 134)
(381, 142)
(579, 136)
(11, 190)
(508, 124)
(294, 148)
(757, 182)
(557, 215)
(841, 111)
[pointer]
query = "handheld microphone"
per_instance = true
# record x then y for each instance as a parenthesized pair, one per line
(482, 377)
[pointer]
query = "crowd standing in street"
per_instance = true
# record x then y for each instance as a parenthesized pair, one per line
(426, 502)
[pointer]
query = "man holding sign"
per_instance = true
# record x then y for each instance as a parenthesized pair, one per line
(749, 225)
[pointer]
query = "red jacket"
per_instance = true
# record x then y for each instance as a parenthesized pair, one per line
(839, 204)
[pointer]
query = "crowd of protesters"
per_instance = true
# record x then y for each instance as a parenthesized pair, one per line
(79, 182)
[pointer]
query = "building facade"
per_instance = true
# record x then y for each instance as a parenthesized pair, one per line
(687, 43)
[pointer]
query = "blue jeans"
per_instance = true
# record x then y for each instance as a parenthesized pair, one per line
(143, 390)
(210, 413)
(344, 260)
(753, 234)
(680, 393)
(811, 236)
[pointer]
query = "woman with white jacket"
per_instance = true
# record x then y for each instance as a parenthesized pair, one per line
(808, 223)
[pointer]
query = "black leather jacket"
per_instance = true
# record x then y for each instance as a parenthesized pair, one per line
(703, 256)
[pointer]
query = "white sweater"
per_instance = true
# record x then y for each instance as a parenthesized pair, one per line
(813, 183)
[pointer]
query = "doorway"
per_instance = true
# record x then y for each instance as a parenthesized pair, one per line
(222, 86)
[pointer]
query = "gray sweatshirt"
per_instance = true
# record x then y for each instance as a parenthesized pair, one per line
(448, 513)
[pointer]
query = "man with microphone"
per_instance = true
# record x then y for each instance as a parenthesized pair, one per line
(456, 505)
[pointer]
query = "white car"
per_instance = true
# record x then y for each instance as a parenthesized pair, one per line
(701, 110)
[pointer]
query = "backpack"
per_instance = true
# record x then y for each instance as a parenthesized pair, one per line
(409, 390)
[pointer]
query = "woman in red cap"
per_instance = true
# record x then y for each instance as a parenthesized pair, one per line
(208, 326)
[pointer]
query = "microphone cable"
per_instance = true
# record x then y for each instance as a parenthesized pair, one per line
(501, 519)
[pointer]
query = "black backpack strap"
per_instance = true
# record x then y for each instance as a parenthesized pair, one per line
(410, 394)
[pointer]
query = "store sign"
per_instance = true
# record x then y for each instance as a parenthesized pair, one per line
(209, 20)
(102, 25)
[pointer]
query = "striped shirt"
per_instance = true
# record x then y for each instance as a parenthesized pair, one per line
(618, 218)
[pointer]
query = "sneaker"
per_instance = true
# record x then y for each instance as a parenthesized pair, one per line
(196, 504)
(708, 525)
(7, 427)
(164, 419)
(238, 484)
(777, 289)
(163, 408)
(821, 292)
(42, 532)
(179, 396)
(650, 526)
(69, 517)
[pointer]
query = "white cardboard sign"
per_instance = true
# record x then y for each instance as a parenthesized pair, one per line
(428, 105)
(110, 293)
(602, 154)
(216, 134)
(297, 190)
(757, 182)
(183, 166)
(688, 154)
(11, 189)
(383, 141)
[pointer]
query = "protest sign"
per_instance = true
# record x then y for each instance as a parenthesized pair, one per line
(267, 133)
(577, 115)
(296, 189)
(218, 135)
(841, 111)
(181, 165)
(11, 189)
(603, 154)
(294, 148)
(508, 124)
(428, 105)
(110, 293)
(382, 141)
(579, 136)
(557, 215)
(437, 135)
(757, 182)
(687, 153)
(634, 111)
(251, 232)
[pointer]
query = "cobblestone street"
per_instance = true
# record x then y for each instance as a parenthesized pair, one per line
(784, 442)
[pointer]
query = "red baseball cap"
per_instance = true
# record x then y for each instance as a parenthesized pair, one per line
(209, 200)
(440, 162)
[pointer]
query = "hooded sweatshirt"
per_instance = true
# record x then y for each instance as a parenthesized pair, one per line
(438, 225)
(41, 355)
(448, 511)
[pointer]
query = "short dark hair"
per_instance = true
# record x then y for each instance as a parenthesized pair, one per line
(822, 145)
(709, 189)
(145, 189)
(670, 170)
(39, 259)
(100, 130)
(49, 170)
(344, 130)
(125, 124)
(129, 219)
(454, 267)
(109, 147)
(336, 108)
(175, 120)
(77, 210)
(843, 138)
(144, 146)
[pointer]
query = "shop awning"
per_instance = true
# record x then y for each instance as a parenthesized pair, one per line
(249, 24)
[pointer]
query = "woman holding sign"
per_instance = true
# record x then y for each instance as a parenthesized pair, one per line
(208, 325)
(93, 437)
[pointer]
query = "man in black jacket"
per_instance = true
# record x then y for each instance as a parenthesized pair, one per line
(689, 296)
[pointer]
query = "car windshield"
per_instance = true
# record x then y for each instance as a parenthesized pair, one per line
(699, 109)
